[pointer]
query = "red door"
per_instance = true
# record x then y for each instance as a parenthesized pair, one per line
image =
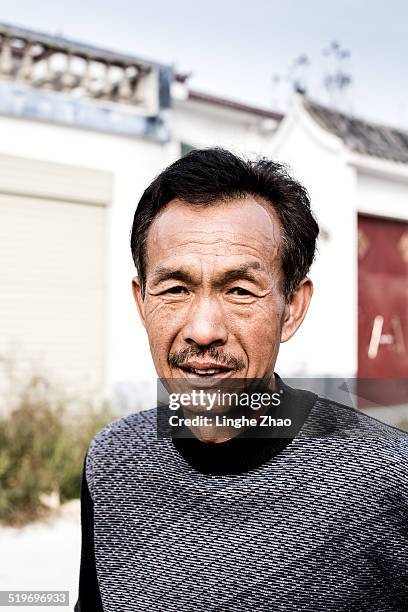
(383, 304)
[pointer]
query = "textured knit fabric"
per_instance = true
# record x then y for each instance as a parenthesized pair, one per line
(317, 523)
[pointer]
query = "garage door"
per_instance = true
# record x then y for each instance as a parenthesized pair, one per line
(53, 269)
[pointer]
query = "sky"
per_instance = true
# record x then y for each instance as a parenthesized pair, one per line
(247, 50)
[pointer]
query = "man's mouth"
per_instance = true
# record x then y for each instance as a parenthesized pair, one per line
(205, 369)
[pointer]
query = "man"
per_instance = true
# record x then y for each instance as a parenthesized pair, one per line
(231, 520)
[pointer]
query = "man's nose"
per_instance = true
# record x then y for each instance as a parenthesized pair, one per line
(206, 323)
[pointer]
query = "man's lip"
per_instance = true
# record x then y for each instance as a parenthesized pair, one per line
(203, 380)
(206, 365)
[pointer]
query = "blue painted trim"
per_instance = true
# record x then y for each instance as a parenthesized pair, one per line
(20, 101)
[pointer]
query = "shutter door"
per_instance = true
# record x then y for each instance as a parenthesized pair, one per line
(53, 284)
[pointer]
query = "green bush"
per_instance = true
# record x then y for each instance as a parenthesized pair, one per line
(43, 441)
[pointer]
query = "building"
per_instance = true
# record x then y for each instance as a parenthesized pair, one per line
(82, 132)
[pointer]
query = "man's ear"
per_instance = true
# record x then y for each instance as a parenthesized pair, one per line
(137, 294)
(297, 308)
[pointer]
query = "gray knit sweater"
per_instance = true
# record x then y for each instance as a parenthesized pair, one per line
(316, 523)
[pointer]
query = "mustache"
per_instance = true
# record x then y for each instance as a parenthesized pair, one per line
(179, 358)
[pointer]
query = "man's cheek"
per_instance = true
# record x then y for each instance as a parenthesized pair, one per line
(154, 307)
(260, 320)
(162, 326)
(259, 336)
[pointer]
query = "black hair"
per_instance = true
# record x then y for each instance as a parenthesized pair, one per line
(207, 176)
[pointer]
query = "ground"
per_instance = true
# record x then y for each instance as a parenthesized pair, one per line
(43, 556)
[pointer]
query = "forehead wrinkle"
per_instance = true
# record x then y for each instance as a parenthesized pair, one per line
(272, 223)
(223, 243)
(224, 249)
(213, 236)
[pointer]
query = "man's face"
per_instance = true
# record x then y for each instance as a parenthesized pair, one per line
(214, 304)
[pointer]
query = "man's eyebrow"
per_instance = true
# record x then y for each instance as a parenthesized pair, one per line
(162, 273)
(244, 271)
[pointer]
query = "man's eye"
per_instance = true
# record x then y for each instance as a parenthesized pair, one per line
(177, 290)
(240, 291)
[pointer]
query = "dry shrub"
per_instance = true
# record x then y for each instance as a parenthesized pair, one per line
(43, 441)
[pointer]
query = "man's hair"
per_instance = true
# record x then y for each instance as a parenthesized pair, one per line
(204, 177)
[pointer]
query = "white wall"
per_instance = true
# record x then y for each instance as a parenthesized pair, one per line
(382, 195)
(326, 343)
(204, 125)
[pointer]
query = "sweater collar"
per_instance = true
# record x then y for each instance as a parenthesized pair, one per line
(249, 449)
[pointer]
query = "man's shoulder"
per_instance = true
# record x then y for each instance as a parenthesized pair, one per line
(121, 443)
(339, 420)
(129, 429)
(347, 415)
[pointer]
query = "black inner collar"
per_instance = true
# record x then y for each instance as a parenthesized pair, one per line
(254, 446)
